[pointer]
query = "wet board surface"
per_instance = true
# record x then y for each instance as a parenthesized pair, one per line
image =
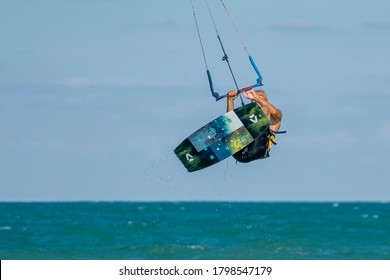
(222, 137)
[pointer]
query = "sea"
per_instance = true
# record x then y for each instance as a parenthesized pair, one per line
(194, 231)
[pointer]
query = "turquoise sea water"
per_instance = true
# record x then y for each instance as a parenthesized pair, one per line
(194, 230)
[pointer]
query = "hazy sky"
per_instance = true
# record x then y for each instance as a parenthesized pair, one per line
(96, 94)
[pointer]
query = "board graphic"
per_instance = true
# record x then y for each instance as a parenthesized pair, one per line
(222, 137)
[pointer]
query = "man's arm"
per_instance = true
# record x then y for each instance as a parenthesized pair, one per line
(231, 95)
(276, 118)
(275, 115)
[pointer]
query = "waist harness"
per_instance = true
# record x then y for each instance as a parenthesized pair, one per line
(259, 148)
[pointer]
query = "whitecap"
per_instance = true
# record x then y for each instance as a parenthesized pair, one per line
(5, 228)
(196, 247)
(335, 205)
(129, 222)
(365, 215)
(375, 216)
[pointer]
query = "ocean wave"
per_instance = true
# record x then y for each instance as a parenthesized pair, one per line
(196, 247)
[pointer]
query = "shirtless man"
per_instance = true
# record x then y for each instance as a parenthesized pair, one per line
(261, 147)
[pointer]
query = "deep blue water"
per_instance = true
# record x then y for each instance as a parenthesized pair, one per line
(194, 230)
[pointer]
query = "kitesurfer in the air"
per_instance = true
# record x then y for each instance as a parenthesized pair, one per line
(261, 146)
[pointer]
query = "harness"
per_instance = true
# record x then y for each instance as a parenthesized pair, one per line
(260, 148)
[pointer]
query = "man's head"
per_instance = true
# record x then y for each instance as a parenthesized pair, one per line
(262, 93)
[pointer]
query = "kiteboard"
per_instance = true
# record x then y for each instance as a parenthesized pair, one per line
(222, 137)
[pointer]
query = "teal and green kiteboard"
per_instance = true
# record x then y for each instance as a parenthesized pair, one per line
(222, 137)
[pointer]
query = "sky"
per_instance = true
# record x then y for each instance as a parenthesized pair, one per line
(96, 94)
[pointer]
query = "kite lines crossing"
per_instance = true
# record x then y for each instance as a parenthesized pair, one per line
(225, 57)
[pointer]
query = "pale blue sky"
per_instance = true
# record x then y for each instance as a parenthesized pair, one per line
(95, 95)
